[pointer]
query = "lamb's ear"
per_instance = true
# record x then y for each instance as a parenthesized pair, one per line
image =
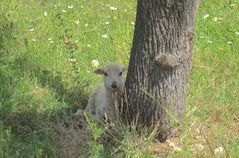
(99, 71)
(124, 69)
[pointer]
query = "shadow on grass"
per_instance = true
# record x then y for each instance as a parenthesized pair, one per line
(16, 65)
(29, 129)
(22, 124)
(74, 96)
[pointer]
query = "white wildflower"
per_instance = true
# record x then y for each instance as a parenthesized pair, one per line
(210, 42)
(219, 150)
(95, 63)
(77, 22)
(107, 23)
(50, 40)
(132, 23)
(70, 7)
(229, 42)
(105, 36)
(232, 5)
(198, 137)
(237, 33)
(34, 40)
(197, 130)
(199, 147)
(72, 60)
(64, 11)
(88, 45)
(205, 16)
(113, 8)
(86, 24)
(45, 14)
(171, 144)
(76, 41)
(31, 30)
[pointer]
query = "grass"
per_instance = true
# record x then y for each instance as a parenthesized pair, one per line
(46, 49)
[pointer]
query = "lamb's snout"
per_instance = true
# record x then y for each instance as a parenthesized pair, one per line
(114, 85)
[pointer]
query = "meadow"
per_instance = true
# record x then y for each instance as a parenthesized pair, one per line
(46, 53)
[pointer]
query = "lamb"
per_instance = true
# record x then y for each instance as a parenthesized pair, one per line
(103, 102)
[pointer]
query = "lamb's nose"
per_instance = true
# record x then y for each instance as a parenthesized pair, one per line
(114, 85)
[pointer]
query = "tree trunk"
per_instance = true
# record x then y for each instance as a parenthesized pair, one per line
(160, 62)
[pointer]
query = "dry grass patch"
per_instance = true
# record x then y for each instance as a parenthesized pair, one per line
(71, 136)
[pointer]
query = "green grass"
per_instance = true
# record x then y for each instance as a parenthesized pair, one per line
(39, 81)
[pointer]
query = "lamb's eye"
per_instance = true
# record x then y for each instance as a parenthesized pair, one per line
(105, 74)
(120, 73)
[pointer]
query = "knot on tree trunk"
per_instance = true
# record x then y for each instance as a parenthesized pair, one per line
(167, 60)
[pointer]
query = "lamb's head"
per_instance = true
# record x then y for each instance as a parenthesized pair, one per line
(112, 76)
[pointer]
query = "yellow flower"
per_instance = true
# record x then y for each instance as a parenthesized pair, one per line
(95, 63)
(221, 48)
(215, 19)
(177, 149)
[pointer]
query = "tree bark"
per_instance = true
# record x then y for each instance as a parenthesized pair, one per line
(160, 63)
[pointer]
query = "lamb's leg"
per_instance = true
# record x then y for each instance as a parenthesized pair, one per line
(89, 107)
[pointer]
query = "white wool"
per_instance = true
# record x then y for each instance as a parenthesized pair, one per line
(103, 102)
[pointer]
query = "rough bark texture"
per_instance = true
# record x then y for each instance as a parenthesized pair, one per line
(160, 62)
